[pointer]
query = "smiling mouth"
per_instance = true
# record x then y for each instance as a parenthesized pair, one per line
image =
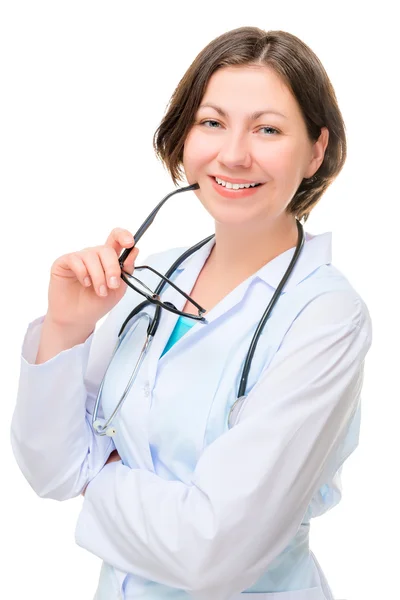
(236, 186)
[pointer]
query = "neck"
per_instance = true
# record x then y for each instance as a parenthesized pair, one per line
(240, 252)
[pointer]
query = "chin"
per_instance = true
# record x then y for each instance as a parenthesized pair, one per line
(231, 217)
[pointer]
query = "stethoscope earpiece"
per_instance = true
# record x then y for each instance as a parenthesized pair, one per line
(99, 427)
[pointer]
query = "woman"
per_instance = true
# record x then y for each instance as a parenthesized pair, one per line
(183, 501)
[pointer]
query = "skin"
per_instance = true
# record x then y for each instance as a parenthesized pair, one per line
(251, 231)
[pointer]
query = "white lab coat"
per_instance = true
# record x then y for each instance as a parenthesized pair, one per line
(194, 509)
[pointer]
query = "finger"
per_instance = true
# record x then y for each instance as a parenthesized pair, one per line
(78, 267)
(119, 239)
(129, 263)
(95, 269)
(110, 264)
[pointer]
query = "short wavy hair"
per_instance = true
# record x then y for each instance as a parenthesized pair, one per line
(301, 71)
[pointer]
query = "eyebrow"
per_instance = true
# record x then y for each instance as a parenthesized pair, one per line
(253, 116)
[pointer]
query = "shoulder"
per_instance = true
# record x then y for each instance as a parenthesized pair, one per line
(329, 299)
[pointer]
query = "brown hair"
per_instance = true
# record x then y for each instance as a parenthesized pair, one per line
(301, 71)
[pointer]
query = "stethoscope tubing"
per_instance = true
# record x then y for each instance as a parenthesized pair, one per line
(105, 429)
(268, 311)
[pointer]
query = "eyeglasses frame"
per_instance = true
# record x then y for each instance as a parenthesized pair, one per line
(151, 296)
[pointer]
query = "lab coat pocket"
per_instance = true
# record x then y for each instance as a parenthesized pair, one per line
(314, 593)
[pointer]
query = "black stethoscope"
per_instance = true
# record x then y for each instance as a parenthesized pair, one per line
(104, 427)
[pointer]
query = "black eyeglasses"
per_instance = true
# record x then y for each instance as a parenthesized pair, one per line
(142, 288)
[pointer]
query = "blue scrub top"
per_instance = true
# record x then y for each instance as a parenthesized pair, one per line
(182, 326)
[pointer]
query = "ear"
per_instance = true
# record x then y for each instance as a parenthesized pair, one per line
(318, 152)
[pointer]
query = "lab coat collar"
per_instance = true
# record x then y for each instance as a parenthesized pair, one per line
(317, 251)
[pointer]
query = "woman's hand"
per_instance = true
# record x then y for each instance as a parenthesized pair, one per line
(86, 285)
(114, 457)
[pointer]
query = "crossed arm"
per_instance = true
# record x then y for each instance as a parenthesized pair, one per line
(114, 457)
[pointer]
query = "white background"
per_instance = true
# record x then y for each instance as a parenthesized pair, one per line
(84, 85)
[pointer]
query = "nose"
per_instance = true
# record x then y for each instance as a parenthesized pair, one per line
(235, 152)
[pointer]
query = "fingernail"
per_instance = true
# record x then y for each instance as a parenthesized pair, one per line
(128, 239)
(114, 282)
(103, 290)
(86, 281)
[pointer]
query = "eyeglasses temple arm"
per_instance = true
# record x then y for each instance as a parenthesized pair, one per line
(146, 224)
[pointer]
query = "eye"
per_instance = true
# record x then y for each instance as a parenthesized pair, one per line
(215, 125)
(209, 121)
(270, 129)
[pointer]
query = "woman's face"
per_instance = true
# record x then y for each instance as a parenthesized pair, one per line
(227, 141)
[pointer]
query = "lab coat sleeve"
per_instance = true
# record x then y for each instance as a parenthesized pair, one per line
(252, 486)
(51, 434)
(52, 437)
(51, 428)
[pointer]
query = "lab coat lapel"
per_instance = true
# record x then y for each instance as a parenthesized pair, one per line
(186, 281)
(139, 409)
(184, 277)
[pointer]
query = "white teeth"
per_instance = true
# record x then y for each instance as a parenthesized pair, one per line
(234, 186)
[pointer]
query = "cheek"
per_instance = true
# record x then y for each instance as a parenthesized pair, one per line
(280, 160)
(197, 151)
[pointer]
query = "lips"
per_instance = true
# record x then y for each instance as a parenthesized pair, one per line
(238, 182)
(232, 180)
(231, 193)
